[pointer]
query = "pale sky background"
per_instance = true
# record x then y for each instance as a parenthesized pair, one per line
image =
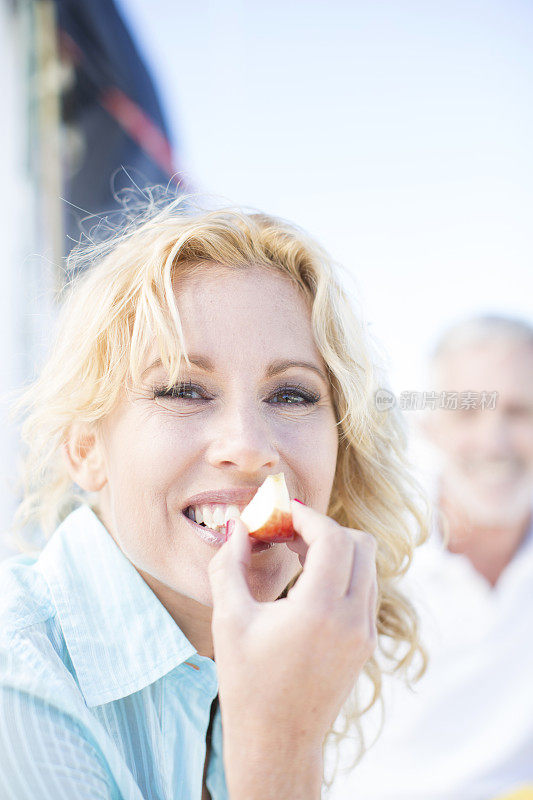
(397, 132)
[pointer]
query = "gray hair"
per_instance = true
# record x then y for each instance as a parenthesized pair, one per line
(482, 329)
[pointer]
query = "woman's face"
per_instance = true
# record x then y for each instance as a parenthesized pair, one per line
(232, 422)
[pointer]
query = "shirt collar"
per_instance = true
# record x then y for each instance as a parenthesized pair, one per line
(119, 635)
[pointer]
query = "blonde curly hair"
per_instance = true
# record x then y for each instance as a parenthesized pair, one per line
(121, 297)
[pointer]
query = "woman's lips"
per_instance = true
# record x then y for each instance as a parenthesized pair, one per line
(217, 539)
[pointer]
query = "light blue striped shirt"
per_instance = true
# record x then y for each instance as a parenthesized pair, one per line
(102, 697)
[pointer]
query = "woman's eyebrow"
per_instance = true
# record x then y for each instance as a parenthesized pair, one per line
(273, 369)
(280, 366)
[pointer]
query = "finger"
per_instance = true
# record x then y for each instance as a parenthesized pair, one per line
(364, 563)
(298, 545)
(328, 561)
(373, 609)
(227, 572)
(362, 589)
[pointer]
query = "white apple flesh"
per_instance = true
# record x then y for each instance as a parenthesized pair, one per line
(268, 515)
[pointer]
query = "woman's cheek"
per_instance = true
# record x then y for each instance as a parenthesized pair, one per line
(311, 448)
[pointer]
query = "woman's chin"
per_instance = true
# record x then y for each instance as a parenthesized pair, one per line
(261, 588)
(267, 576)
(267, 586)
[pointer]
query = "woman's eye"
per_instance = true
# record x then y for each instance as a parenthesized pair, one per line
(303, 397)
(180, 391)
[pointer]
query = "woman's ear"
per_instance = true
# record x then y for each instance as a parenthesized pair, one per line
(85, 459)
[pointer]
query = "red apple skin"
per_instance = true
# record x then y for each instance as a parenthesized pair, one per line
(278, 528)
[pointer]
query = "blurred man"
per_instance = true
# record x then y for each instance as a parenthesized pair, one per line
(466, 731)
(486, 485)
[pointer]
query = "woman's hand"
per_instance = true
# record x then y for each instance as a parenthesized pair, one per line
(285, 668)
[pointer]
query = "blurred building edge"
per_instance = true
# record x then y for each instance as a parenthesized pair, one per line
(114, 134)
(18, 221)
(83, 122)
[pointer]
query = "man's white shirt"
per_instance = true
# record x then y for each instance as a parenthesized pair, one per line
(465, 731)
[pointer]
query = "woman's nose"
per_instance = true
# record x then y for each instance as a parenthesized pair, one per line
(241, 437)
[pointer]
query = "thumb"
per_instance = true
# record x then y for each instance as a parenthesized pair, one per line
(227, 572)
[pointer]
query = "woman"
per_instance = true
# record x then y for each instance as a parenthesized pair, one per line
(201, 352)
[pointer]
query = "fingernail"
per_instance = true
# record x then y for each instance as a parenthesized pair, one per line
(298, 501)
(230, 526)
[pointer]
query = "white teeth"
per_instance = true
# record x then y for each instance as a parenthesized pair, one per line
(214, 515)
(496, 469)
(218, 515)
(207, 517)
(232, 512)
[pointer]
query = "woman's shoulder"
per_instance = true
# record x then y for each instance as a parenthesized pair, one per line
(47, 734)
(33, 655)
(27, 601)
(25, 598)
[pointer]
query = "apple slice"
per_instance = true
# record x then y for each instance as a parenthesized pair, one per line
(268, 515)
